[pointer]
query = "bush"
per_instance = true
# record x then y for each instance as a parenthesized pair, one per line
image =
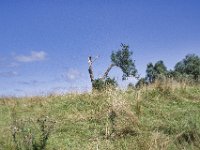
(100, 84)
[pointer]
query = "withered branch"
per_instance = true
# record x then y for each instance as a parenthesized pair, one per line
(107, 71)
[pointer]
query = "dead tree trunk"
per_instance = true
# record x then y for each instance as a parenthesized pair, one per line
(90, 70)
(107, 71)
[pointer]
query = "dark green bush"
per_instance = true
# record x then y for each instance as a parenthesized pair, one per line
(100, 84)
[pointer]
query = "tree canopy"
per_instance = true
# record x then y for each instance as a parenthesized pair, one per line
(122, 59)
(156, 70)
(190, 66)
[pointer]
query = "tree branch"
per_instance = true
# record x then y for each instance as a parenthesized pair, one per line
(107, 71)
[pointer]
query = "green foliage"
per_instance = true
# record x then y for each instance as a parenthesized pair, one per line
(111, 82)
(100, 84)
(150, 73)
(122, 59)
(142, 82)
(31, 135)
(189, 66)
(156, 71)
(130, 86)
(160, 68)
(183, 77)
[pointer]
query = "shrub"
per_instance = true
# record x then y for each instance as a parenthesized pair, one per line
(100, 84)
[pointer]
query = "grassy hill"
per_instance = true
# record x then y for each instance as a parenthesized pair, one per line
(152, 118)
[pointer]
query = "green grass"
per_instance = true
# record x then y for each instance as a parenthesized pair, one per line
(145, 119)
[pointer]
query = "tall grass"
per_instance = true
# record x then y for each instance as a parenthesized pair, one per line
(165, 115)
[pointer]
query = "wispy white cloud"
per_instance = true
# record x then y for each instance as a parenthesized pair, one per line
(72, 74)
(13, 64)
(31, 82)
(8, 74)
(34, 56)
(6, 62)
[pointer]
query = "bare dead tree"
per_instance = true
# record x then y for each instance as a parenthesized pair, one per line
(122, 59)
(90, 70)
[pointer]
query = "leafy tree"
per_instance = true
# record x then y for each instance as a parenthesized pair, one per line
(150, 73)
(189, 66)
(122, 59)
(153, 72)
(160, 68)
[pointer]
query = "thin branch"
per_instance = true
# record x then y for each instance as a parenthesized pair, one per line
(95, 58)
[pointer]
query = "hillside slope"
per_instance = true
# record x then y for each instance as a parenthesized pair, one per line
(154, 118)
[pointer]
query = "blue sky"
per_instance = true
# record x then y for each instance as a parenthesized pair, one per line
(44, 45)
